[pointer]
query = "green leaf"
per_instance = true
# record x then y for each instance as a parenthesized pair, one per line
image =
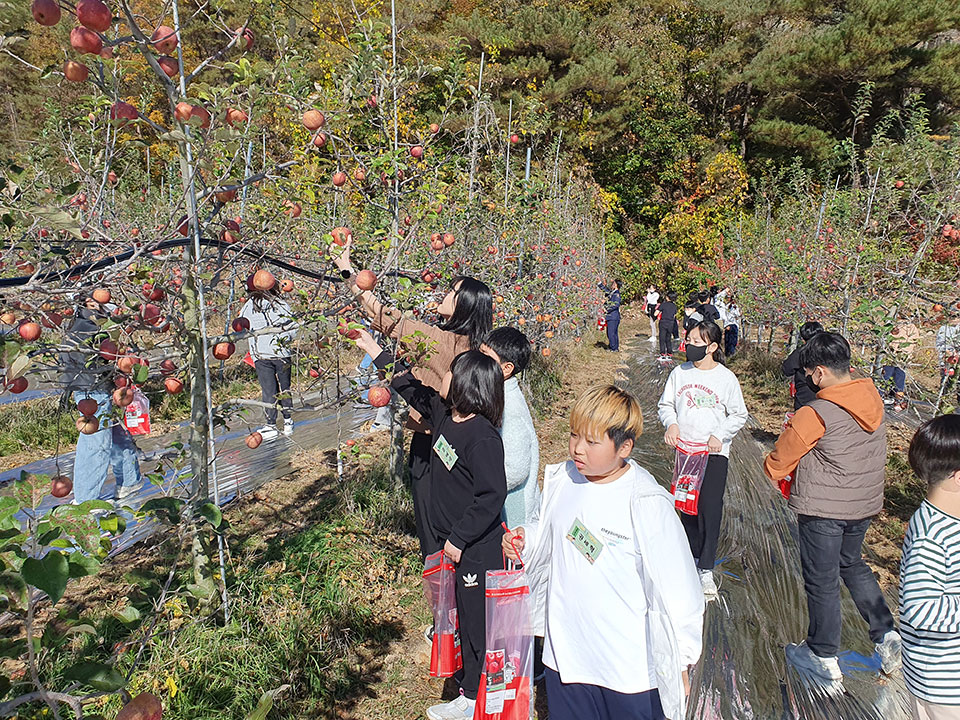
(80, 565)
(266, 704)
(14, 588)
(140, 374)
(128, 615)
(48, 573)
(81, 629)
(96, 675)
(211, 513)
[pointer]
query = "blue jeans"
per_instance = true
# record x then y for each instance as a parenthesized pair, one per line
(730, 339)
(95, 453)
(830, 550)
(891, 373)
(613, 330)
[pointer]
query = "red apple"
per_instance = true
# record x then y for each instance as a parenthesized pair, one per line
(264, 281)
(339, 179)
(75, 71)
(61, 486)
(150, 314)
(94, 15)
(225, 196)
(123, 111)
(17, 386)
(85, 42)
(313, 120)
(101, 295)
(366, 280)
(164, 39)
(29, 331)
(169, 65)
(378, 396)
(240, 324)
(167, 366)
(253, 440)
(434, 128)
(173, 385)
(246, 37)
(341, 235)
(293, 209)
(88, 407)
(222, 351)
(514, 139)
(235, 117)
(143, 707)
(123, 396)
(313, 372)
(319, 140)
(287, 285)
(448, 239)
(45, 12)
(416, 152)
(109, 350)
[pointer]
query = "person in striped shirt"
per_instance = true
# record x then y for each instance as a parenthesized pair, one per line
(930, 575)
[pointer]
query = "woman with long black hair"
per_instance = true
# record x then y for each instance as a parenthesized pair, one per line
(467, 312)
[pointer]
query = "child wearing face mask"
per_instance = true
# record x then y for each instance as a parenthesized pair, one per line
(702, 402)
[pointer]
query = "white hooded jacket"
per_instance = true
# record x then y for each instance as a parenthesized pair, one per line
(671, 584)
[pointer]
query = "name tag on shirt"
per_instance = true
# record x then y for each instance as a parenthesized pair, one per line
(584, 541)
(447, 455)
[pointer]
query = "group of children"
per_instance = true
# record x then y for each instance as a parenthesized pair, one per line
(718, 306)
(621, 580)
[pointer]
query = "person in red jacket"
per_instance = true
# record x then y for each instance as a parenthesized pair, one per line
(835, 448)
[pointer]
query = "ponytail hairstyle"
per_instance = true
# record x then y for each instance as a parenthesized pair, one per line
(473, 310)
(476, 386)
(712, 333)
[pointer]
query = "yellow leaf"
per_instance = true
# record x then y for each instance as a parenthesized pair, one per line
(171, 687)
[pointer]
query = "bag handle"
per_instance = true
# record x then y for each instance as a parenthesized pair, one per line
(513, 565)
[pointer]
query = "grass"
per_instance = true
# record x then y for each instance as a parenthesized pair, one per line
(32, 424)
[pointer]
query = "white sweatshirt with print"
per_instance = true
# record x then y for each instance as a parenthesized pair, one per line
(703, 403)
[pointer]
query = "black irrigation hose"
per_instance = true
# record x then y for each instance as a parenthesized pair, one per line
(60, 275)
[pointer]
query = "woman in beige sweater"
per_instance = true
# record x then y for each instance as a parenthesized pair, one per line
(467, 312)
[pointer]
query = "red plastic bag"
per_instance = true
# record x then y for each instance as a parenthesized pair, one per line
(793, 389)
(248, 359)
(688, 471)
(506, 682)
(136, 418)
(439, 586)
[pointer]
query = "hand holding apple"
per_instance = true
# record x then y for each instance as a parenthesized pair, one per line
(341, 254)
(513, 543)
(452, 551)
(366, 343)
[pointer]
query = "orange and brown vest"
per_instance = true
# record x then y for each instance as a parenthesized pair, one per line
(842, 476)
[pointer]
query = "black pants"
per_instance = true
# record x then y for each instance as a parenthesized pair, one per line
(666, 340)
(420, 448)
(830, 550)
(703, 529)
(274, 377)
(579, 701)
(613, 331)
(471, 607)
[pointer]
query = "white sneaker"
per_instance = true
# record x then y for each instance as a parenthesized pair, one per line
(459, 709)
(652, 338)
(288, 426)
(710, 591)
(268, 432)
(807, 661)
(126, 492)
(889, 650)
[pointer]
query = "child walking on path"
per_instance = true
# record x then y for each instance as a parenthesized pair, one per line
(930, 575)
(271, 352)
(702, 403)
(521, 449)
(615, 584)
(667, 324)
(836, 450)
(469, 488)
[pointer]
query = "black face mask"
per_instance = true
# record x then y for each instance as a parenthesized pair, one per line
(811, 384)
(696, 353)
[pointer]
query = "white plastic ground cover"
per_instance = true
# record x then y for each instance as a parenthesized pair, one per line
(743, 673)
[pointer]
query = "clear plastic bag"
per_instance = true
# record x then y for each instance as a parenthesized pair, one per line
(439, 586)
(506, 683)
(688, 471)
(136, 416)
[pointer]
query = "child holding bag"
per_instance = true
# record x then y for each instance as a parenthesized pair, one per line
(702, 403)
(615, 585)
(469, 488)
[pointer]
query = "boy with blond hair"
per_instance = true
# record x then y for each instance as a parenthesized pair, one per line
(616, 587)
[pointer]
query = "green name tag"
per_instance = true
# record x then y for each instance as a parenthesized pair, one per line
(585, 541)
(447, 455)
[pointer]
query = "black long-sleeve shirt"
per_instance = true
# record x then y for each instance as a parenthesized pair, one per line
(466, 499)
(804, 395)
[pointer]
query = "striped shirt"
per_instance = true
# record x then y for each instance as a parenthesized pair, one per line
(930, 605)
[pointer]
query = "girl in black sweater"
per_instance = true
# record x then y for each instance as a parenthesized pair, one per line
(469, 489)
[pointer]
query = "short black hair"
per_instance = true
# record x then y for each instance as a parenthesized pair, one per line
(476, 386)
(692, 304)
(809, 329)
(511, 346)
(828, 349)
(712, 333)
(672, 296)
(935, 449)
(703, 296)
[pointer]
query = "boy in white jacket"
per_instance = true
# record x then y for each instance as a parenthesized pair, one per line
(616, 586)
